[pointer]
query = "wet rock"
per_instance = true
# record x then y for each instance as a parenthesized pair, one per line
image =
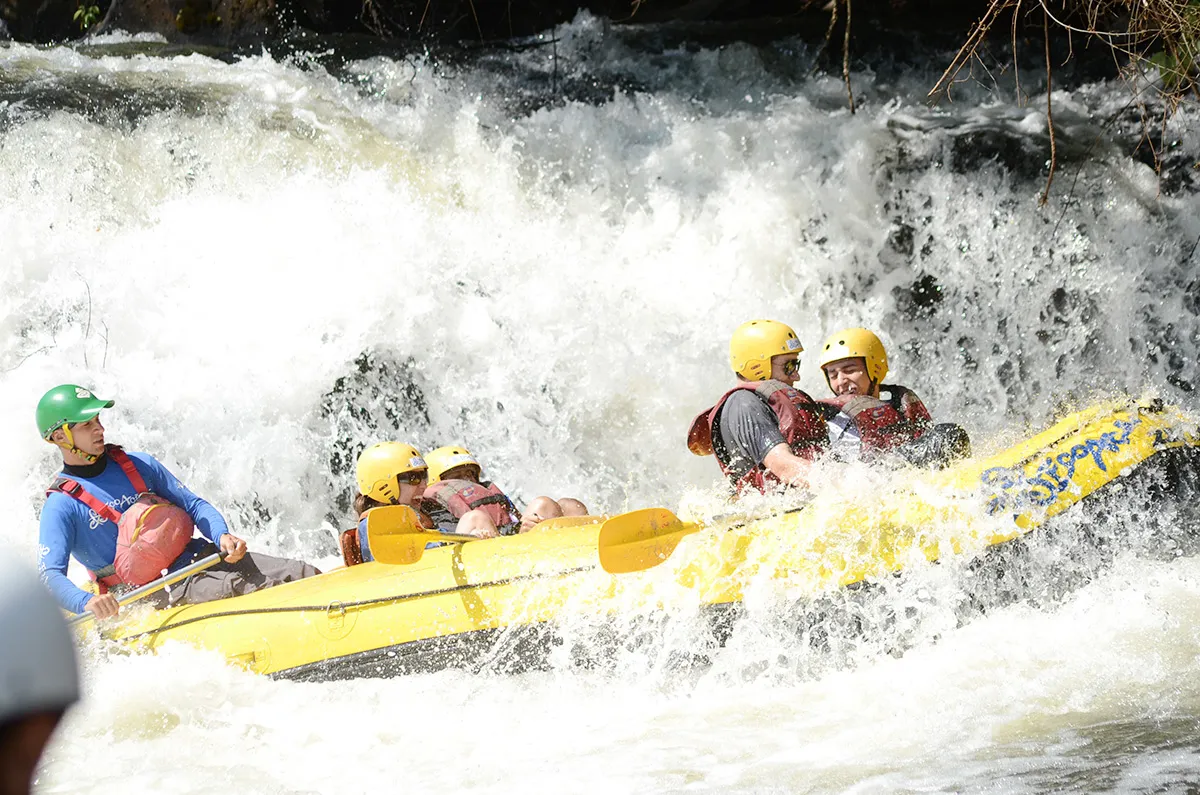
(381, 398)
(38, 20)
(898, 250)
(1165, 347)
(1176, 168)
(920, 299)
(188, 20)
(1191, 297)
(1070, 307)
(1019, 155)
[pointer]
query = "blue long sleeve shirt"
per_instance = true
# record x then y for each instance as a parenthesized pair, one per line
(71, 529)
(364, 542)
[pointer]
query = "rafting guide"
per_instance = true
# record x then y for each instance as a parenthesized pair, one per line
(127, 519)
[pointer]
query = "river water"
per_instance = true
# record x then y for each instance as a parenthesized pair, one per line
(270, 261)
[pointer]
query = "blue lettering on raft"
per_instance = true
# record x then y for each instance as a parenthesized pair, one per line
(1054, 474)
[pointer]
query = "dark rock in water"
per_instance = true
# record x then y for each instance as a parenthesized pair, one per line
(919, 299)
(1191, 297)
(221, 21)
(898, 251)
(381, 399)
(38, 20)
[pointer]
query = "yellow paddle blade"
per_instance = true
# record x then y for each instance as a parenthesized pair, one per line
(640, 540)
(394, 534)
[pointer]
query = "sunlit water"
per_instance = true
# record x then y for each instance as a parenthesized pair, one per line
(268, 264)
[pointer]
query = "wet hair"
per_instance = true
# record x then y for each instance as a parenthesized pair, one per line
(363, 503)
(462, 469)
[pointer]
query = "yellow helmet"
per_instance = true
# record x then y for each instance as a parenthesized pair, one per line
(854, 343)
(446, 458)
(755, 342)
(380, 466)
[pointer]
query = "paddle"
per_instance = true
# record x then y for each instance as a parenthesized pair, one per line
(640, 540)
(396, 537)
(155, 585)
(630, 542)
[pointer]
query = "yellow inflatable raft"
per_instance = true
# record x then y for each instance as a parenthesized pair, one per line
(497, 602)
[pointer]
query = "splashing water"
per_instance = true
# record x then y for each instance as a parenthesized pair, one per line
(271, 263)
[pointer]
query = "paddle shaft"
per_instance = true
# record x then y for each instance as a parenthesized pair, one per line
(434, 535)
(156, 585)
(641, 540)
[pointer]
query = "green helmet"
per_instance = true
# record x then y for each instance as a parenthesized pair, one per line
(67, 404)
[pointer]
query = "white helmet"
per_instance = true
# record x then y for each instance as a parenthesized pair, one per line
(38, 670)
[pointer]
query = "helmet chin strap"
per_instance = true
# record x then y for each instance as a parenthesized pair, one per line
(70, 446)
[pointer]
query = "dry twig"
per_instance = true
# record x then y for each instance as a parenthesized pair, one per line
(1158, 35)
(1049, 114)
(846, 58)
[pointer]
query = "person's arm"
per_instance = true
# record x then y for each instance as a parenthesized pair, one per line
(751, 437)
(786, 465)
(443, 520)
(914, 409)
(55, 539)
(364, 542)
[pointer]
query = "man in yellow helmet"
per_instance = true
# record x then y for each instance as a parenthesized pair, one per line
(764, 432)
(879, 418)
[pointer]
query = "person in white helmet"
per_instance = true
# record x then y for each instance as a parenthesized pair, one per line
(39, 674)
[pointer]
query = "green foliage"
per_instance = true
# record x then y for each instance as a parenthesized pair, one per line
(1177, 61)
(86, 15)
(1173, 71)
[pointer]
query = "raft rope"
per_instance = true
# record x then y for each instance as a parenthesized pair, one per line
(336, 606)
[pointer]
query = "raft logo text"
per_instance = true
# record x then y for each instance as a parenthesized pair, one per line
(1175, 437)
(119, 505)
(1017, 491)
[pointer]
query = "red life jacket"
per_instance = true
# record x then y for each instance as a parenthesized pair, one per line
(151, 534)
(885, 424)
(351, 549)
(801, 421)
(460, 496)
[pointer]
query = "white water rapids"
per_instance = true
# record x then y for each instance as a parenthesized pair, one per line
(268, 264)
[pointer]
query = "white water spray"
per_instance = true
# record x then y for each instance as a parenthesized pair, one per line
(217, 245)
